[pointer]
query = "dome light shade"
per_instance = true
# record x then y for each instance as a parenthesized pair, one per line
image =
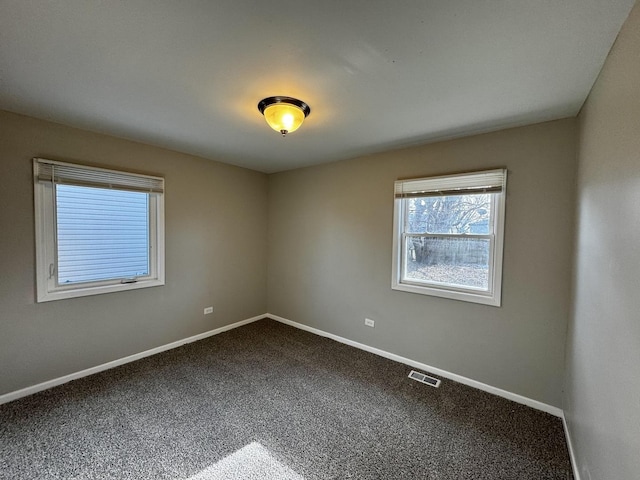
(284, 114)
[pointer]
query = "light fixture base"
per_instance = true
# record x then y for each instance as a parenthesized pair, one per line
(265, 102)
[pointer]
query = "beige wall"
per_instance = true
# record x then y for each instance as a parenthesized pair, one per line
(329, 257)
(603, 349)
(330, 234)
(329, 260)
(215, 255)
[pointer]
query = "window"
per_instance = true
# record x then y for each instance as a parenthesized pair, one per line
(448, 236)
(97, 231)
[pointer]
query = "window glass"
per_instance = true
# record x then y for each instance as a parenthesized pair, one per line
(449, 214)
(101, 234)
(456, 262)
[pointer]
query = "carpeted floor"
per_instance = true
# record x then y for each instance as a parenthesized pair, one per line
(267, 401)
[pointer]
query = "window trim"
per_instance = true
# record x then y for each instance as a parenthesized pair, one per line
(453, 184)
(45, 227)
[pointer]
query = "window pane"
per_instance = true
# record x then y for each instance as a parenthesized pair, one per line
(458, 261)
(102, 234)
(449, 214)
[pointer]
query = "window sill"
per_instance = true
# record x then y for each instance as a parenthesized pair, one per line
(482, 298)
(61, 294)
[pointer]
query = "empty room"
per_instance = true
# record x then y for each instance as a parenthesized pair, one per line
(320, 240)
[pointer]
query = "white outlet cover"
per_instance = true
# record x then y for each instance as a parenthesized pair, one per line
(369, 323)
(208, 310)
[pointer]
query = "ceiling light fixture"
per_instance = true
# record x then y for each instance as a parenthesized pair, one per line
(284, 114)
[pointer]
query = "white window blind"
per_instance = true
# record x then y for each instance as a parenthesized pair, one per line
(70, 174)
(480, 182)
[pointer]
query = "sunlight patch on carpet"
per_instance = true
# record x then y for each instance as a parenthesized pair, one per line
(251, 462)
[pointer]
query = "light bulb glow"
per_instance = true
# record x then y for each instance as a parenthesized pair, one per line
(284, 118)
(287, 121)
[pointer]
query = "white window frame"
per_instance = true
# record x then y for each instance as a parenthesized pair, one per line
(48, 173)
(493, 181)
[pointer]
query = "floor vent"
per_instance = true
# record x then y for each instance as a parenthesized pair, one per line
(421, 377)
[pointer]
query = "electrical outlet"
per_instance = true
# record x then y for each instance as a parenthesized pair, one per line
(369, 323)
(208, 310)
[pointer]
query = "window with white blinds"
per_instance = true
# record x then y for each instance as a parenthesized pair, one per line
(97, 230)
(448, 236)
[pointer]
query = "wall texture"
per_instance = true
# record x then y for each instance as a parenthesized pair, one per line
(603, 349)
(215, 255)
(330, 238)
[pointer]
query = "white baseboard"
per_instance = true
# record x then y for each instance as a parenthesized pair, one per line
(8, 397)
(567, 434)
(436, 371)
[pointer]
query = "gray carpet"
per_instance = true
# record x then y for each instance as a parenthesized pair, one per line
(268, 401)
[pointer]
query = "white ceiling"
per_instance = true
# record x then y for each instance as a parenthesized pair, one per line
(378, 74)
